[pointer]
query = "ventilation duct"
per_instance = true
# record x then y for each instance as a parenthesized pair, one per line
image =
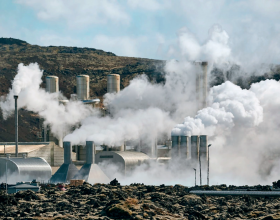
(67, 170)
(91, 172)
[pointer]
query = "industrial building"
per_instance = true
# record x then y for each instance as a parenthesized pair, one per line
(24, 169)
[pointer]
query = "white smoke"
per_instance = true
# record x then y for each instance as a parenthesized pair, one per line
(230, 106)
(61, 118)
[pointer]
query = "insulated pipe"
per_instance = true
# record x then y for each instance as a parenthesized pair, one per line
(90, 152)
(67, 152)
(16, 125)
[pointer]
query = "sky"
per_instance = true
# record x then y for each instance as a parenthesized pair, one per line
(142, 28)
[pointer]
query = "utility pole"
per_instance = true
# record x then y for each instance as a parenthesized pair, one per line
(194, 176)
(208, 164)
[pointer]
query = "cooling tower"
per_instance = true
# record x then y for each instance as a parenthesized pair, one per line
(67, 170)
(184, 147)
(82, 87)
(203, 147)
(175, 151)
(52, 84)
(195, 148)
(91, 172)
(113, 83)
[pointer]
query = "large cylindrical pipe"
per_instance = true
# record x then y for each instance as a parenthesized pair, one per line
(52, 84)
(83, 87)
(67, 152)
(195, 147)
(113, 83)
(184, 146)
(90, 152)
(16, 125)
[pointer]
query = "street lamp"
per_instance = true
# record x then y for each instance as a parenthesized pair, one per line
(209, 145)
(7, 158)
(194, 176)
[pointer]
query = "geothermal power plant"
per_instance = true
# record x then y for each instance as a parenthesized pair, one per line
(26, 161)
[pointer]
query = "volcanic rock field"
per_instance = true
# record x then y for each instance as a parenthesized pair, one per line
(136, 201)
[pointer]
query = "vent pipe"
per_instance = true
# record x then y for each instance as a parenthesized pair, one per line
(16, 125)
(90, 152)
(67, 152)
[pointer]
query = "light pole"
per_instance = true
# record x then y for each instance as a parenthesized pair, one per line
(209, 145)
(7, 157)
(194, 176)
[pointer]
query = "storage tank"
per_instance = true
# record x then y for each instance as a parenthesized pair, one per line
(52, 84)
(113, 83)
(82, 87)
(195, 148)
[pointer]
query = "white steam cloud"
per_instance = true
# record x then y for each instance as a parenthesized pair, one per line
(33, 98)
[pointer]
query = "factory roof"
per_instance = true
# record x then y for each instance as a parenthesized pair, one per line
(21, 148)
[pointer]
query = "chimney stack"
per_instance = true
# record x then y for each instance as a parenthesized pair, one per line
(67, 152)
(90, 151)
(16, 125)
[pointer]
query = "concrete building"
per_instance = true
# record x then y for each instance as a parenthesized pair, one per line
(51, 152)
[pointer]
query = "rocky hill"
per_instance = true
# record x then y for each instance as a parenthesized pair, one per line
(66, 63)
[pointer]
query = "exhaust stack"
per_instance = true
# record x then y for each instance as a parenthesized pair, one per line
(16, 125)
(67, 170)
(91, 172)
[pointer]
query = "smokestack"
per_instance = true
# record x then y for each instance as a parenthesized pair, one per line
(90, 151)
(195, 148)
(204, 86)
(16, 125)
(203, 148)
(184, 147)
(67, 152)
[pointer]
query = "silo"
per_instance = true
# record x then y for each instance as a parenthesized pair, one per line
(113, 83)
(175, 151)
(52, 84)
(184, 147)
(195, 147)
(83, 87)
(203, 147)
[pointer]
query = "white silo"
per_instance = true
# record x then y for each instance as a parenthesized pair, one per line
(52, 84)
(83, 87)
(113, 83)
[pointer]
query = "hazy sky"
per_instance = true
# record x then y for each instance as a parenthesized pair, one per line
(141, 28)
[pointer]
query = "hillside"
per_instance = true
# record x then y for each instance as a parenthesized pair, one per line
(66, 63)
